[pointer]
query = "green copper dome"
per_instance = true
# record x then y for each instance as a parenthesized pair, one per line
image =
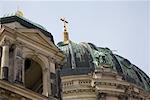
(76, 55)
(84, 58)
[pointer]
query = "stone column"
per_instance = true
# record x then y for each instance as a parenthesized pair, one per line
(5, 60)
(19, 64)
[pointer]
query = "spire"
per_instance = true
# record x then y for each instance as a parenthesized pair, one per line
(65, 33)
(19, 12)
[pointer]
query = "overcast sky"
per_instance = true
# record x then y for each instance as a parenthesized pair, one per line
(118, 25)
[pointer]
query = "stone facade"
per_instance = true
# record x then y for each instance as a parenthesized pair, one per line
(28, 59)
(103, 84)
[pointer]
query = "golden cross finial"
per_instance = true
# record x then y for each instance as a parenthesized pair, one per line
(65, 22)
(65, 33)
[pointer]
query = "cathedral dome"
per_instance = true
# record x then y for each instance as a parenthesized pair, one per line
(84, 58)
(78, 58)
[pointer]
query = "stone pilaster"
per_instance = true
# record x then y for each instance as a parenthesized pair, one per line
(46, 86)
(19, 63)
(5, 59)
(52, 77)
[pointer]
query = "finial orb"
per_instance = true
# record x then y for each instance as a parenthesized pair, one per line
(19, 13)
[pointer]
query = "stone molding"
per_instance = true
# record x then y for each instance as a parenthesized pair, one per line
(20, 90)
(110, 87)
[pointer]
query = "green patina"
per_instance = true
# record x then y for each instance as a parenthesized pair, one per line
(88, 55)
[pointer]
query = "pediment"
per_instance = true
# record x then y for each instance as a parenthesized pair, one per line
(33, 36)
(36, 36)
(32, 39)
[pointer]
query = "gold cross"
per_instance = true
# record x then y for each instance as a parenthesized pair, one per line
(65, 22)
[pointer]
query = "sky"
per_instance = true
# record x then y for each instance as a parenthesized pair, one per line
(122, 26)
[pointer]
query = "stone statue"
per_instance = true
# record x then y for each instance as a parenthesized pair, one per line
(102, 58)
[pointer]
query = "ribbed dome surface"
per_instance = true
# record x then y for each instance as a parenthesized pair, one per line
(83, 58)
(76, 55)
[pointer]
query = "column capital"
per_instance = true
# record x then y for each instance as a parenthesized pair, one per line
(5, 42)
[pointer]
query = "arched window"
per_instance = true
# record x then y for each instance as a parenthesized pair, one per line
(33, 76)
